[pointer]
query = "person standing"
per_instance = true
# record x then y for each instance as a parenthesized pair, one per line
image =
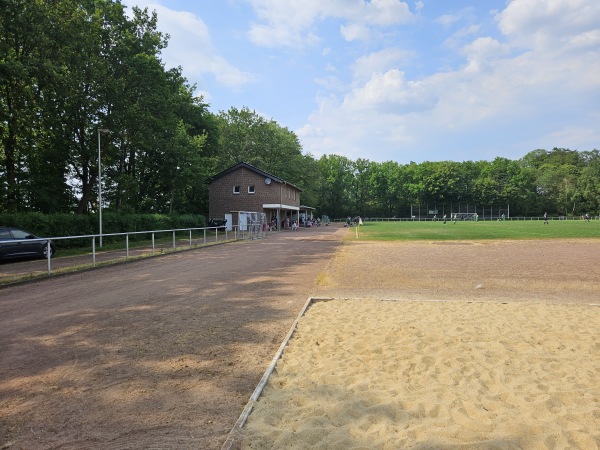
(545, 218)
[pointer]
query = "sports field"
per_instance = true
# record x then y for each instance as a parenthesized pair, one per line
(481, 230)
(458, 336)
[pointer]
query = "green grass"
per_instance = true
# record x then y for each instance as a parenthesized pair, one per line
(469, 230)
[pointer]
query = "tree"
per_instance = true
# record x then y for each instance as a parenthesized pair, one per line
(386, 187)
(245, 136)
(29, 67)
(335, 185)
(70, 68)
(556, 179)
(361, 187)
(588, 183)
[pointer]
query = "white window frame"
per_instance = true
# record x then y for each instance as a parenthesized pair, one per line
(236, 190)
(251, 191)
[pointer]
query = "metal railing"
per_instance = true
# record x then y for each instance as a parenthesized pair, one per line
(220, 234)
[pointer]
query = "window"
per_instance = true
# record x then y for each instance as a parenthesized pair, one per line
(251, 189)
(18, 234)
(236, 189)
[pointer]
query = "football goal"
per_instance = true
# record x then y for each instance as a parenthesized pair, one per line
(252, 224)
(466, 216)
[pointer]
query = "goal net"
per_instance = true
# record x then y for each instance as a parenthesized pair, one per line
(252, 225)
(466, 216)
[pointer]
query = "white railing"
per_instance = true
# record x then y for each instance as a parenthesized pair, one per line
(219, 234)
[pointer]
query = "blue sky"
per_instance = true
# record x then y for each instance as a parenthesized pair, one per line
(424, 80)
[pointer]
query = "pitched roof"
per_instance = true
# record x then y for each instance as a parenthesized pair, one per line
(254, 169)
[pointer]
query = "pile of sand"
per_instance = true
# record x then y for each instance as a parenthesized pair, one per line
(392, 374)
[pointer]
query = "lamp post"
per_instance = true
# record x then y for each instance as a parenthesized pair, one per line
(100, 130)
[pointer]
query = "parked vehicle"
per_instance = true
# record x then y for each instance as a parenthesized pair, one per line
(220, 224)
(15, 243)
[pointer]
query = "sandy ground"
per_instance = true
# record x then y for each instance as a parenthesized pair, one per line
(486, 345)
(364, 374)
(165, 352)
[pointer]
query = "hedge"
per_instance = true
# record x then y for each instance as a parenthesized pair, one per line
(58, 225)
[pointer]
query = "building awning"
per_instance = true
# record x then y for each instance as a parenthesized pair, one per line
(280, 206)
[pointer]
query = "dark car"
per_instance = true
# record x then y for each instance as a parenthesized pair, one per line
(220, 224)
(15, 243)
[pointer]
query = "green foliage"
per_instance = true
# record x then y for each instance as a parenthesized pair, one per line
(71, 68)
(246, 136)
(57, 225)
(82, 78)
(561, 182)
(336, 175)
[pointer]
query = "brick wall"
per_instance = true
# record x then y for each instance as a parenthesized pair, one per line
(222, 200)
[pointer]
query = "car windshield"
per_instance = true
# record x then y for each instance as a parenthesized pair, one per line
(19, 234)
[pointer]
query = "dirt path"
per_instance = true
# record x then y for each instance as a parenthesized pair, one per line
(551, 271)
(160, 353)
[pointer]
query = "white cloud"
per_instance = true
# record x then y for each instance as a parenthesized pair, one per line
(390, 93)
(331, 83)
(546, 25)
(448, 19)
(532, 90)
(292, 23)
(565, 136)
(463, 15)
(379, 62)
(457, 39)
(483, 53)
(284, 24)
(190, 46)
(385, 12)
(529, 83)
(355, 32)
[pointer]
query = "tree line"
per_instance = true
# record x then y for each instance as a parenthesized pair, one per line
(559, 181)
(83, 88)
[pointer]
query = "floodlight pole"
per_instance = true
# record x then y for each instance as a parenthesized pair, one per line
(100, 130)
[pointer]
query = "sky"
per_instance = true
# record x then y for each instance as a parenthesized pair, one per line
(391, 80)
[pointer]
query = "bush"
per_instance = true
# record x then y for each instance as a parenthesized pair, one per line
(58, 225)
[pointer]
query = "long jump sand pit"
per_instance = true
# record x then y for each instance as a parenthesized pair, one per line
(367, 373)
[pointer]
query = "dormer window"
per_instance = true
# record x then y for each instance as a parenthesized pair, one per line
(236, 189)
(251, 189)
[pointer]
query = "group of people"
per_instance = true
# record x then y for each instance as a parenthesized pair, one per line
(311, 222)
(585, 217)
(293, 225)
(351, 221)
